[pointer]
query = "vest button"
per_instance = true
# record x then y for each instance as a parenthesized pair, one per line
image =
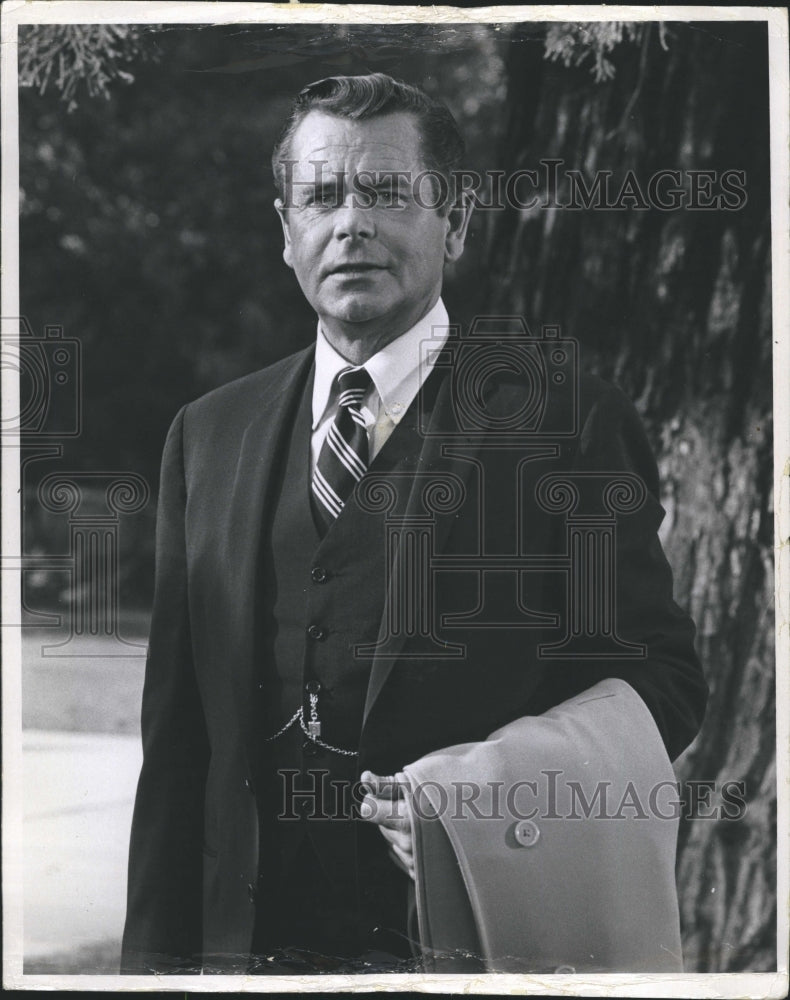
(318, 574)
(316, 632)
(312, 687)
(526, 833)
(309, 749)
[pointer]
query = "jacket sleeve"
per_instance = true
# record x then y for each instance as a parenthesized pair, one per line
(163, 921)
(669, 676)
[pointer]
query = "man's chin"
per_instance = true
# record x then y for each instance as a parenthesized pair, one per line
(361, 310)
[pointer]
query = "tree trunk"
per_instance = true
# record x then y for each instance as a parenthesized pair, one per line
(676, 307)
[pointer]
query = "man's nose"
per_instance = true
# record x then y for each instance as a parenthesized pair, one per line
(353, 220)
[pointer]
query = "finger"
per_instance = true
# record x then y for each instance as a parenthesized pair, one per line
(397, 861)
(403, 862)
(391, 786)
(385, 812)
(390, 813)
(398, 838)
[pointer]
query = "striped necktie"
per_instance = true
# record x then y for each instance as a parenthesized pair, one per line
(343, 459)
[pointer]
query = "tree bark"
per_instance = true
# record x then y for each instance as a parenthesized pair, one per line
(676, 307)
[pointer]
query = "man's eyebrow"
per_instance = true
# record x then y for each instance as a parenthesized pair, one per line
(345, 146)
(386, 177)
(331, 186)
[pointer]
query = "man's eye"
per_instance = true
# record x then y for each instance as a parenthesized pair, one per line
(322, 199)
(390, 198)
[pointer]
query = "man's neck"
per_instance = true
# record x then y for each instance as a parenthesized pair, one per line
(358, 342)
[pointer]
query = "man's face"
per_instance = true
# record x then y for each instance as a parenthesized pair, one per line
(369, 258)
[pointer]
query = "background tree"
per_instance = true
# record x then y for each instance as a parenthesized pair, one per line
(676, 307)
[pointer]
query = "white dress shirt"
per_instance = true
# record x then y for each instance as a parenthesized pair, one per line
(397, 376)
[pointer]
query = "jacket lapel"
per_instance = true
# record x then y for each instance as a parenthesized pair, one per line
(432, 429)
(263, 444)
(445, 448)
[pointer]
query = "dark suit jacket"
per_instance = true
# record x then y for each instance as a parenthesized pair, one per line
(199, 716)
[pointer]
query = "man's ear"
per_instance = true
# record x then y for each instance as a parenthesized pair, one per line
(458, 222)
(282, 212)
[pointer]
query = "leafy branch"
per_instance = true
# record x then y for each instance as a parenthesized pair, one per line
(67, 54)
(575, 44)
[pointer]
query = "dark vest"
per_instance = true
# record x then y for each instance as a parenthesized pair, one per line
(319, 598)
(321, 595)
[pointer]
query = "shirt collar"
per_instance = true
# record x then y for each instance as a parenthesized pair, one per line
(396, 370)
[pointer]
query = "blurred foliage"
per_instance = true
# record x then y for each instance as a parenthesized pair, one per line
(69, 54)
(593, 41)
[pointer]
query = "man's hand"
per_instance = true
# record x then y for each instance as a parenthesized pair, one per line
(385, 803)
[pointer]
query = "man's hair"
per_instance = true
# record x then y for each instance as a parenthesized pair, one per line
(370, 96)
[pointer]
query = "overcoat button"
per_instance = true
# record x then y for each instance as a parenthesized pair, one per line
(318, 574)
(316, 632)
(526, 833)
(252, 892)
(564, 970)
(248, 785)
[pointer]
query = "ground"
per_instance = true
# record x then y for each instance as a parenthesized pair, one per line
(80, 760)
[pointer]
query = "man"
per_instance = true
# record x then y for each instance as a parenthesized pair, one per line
(278, 672)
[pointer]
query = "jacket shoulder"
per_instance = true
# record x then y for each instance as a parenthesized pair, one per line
(596, 391)
(248, 391)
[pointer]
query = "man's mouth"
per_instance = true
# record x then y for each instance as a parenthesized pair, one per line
(352, 268)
